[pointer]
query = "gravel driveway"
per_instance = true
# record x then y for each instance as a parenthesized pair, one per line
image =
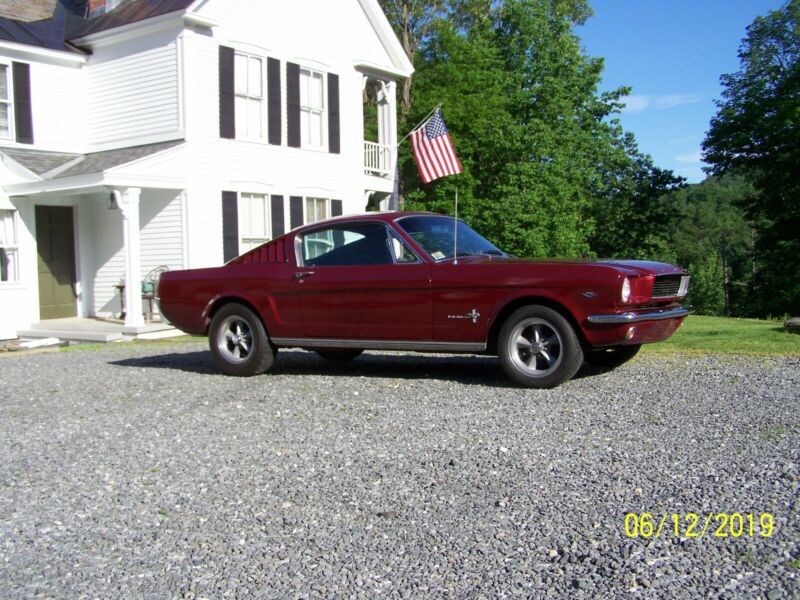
(138, 471)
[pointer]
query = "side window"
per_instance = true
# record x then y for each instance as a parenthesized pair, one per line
(347, 245)
(9, 271)
(400, 252)
(5, 102)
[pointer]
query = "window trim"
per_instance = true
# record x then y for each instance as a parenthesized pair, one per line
(307, 110)
(240, 120)
(9, 101)
(13, 247)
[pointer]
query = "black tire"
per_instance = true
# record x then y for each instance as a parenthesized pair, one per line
(538, 347)
(612, 357)
(339, 354)
(239, 343)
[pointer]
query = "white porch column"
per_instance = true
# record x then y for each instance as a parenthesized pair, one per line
(128, 201)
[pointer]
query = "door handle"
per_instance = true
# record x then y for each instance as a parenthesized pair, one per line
(301, 275)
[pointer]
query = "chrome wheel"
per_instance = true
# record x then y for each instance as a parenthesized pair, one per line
(235, 339)
(535, 347)
(239, 343)
(538, 347)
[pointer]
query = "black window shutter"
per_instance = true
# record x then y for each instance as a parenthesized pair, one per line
(227, 96)
(276, 206)
(295, 211)
(336, 208)
(230, 225)
(23, 114)
(275, 119)
(293, 105)
(333, 114)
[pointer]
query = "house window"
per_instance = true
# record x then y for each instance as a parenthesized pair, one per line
(317, 209)
(5, 102)
(9, 271)
(312, 108)
(254, 221)
(250, 97)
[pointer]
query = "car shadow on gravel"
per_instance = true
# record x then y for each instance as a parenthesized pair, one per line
(465, 369)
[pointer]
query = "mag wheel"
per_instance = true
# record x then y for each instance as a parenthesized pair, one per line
(538, 347)
(239, 342)
(611, 358)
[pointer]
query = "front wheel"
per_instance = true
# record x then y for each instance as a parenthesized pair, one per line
(611, 358)
(539, 348)
(239, 342)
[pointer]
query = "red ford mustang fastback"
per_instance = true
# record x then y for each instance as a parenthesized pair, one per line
(409, 281)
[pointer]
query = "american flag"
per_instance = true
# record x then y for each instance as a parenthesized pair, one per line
(433, 149)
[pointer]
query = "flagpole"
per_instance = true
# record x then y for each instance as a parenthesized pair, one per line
(455, 233)
(413, 129)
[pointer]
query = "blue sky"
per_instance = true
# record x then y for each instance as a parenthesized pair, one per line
(672, 54)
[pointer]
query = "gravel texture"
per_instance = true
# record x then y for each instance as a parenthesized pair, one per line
(138, 471)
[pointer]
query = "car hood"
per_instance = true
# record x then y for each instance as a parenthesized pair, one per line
(627, 267)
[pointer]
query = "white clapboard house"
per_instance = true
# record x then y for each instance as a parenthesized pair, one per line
(141, 133)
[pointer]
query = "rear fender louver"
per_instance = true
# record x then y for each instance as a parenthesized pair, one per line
(273, 252)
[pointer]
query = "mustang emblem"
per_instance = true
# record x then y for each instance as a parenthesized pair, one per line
(473, 316)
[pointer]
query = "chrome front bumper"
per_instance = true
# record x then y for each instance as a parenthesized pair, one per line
(631, 317)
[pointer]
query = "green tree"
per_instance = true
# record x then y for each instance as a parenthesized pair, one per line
(633, 219)
(712, 226)
(529, 125)
(756, 132)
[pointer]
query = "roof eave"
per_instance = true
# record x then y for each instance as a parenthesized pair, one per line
(391, 44)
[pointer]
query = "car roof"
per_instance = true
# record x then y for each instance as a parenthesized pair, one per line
(389, 216)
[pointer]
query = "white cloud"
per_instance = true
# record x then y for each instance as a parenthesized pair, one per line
(639, 103)
(693, 158)
(635, 104)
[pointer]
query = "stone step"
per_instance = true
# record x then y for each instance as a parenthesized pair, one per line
(70, 336)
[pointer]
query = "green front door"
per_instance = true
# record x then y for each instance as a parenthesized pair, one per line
(55, 239)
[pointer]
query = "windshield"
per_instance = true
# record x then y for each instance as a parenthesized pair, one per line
(435, 235)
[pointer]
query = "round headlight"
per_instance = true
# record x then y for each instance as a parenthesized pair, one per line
(626, 290)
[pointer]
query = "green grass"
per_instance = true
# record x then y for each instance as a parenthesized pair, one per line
(719, 335)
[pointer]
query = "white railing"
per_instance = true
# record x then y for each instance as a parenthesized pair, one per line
(377, 159)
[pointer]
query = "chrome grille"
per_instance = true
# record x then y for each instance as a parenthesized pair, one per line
(665, 286)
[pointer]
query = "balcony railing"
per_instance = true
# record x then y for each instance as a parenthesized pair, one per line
(377, 159)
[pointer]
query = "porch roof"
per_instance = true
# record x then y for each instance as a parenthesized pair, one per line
(54, 165)
(58, 171)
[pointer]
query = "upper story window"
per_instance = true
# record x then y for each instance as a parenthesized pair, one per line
(250, 97)
(312, 108)
(5, 101)
(254, 220)
(9, 268)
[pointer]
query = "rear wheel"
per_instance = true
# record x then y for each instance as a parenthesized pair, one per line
(538, 347)
(339, 354)
(239, 343)
(611, 358)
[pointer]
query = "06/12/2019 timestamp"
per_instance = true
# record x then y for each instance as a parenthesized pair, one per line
(696, 525)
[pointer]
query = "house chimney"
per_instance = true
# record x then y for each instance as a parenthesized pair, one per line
(95, 8)
(27, 10)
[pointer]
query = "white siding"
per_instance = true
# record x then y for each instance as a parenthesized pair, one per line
(58, 96)
(161, 239)
(135, 96)
(308, 33)
(161, 231)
